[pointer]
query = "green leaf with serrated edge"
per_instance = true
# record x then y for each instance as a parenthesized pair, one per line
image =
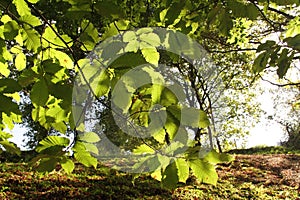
(143, 149)
(8, 85)
(151, 55)
(31, 38)
(51, 141)
(39, 93)
(10, 147)
(85, 158)
(214, 157)
(89, 137)
(148, 163)
(22, 7)
(4, 69)
(171, 148)
(47, 164)
(204, 171)
(30, 20)
(170, 176)
(67, 164)
(129, 36)
(151, 39)
(91, 148)
(183, 169)
(20, 61)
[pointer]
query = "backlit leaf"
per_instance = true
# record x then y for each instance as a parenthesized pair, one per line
(204, 171)
(20, 61)
(22, 7)
(89, 137)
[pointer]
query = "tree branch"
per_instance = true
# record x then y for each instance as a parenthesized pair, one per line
(281, 13)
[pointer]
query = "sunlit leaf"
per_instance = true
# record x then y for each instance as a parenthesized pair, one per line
(89, 137)
(204, 171)
(20, 61)
(22, 7)
(67, 164)
(183, 169)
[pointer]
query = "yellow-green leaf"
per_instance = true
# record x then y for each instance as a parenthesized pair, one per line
(20, 61)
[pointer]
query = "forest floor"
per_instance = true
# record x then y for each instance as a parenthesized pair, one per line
(259, 175)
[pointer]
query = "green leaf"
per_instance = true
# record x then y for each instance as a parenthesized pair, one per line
(85, 158)
(173, 12)
(194, 117)
(183, 169)
(214, 158)
(284, 63)
(266, 46)
(4, 135)
(109, 9)
(143, 149)
(67, 164)
(91, 148)
(11, 30)
(90, 137)
(226, 23)
(90, 36)
(51, 39)
(204, 171)
(10, 147)
(170, 176)
(27, 77)
(150, 40)
(101, 84)
(293, 42)
(240, 9)
(22, 7)
(31, 38)
(8, 106)
(33, 1)
(260, 62)
(52, 141)
(4, 69)
(8, 85)
(47, 164)
(20, 61)
(151, 55)
(39, 93)
(30, 20)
